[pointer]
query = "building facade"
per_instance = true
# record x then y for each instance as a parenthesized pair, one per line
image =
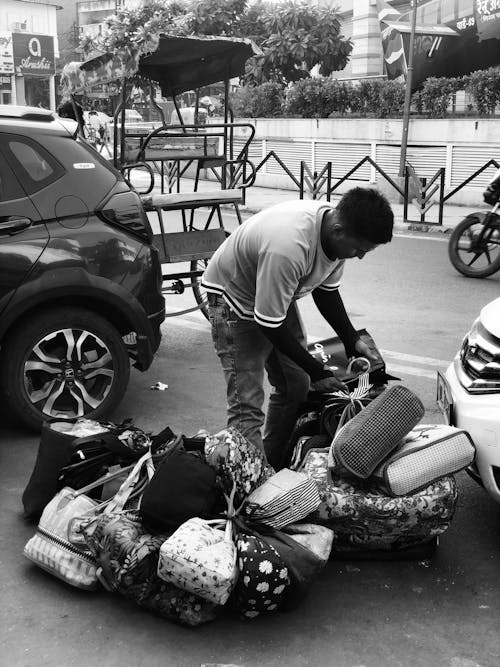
(28, 51)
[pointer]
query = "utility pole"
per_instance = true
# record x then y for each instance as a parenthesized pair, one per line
(406, 110)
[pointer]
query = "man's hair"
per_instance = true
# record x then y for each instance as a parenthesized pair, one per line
(367, 214)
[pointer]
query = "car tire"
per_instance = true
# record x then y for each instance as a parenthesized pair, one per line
(63, 364)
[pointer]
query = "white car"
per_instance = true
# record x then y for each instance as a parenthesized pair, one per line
(468, 395)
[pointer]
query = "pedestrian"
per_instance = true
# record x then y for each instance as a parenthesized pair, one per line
(66, 109)
(253, 281)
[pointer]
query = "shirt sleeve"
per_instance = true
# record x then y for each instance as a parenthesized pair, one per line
(276, 282)
(332, 282)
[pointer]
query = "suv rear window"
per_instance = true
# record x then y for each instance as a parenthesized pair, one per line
(33, 164)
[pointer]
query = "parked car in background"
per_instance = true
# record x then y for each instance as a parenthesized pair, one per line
(469, 395)
(80, 281)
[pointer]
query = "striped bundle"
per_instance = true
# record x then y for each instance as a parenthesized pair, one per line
(287, 497)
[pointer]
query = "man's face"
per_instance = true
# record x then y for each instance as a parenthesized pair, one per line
(347, 247)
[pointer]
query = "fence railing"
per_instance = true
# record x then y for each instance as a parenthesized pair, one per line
(420, 191)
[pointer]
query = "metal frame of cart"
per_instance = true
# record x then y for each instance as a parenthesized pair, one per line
(167, 152)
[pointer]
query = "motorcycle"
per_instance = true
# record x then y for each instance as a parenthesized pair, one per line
(474, 246)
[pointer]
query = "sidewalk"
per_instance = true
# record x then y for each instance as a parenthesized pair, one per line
(258, 198)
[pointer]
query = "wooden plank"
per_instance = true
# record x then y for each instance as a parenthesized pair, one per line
(179, 200)
(188, 246)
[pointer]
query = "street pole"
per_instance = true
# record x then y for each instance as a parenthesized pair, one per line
(406, 110)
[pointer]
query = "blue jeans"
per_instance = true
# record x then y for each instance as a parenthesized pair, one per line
(245, 353)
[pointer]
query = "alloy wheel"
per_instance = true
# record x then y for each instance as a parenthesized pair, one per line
(68, 373)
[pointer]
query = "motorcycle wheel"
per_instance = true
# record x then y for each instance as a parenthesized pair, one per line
(471, 256)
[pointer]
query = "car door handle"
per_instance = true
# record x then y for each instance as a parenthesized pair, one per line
(13, 224)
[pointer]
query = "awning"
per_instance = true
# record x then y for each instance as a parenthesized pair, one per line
(177, 65)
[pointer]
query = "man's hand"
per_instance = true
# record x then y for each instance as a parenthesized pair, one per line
(328, 384)
(364, 350)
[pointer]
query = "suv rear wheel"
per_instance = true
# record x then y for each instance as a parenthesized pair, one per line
(64, 363)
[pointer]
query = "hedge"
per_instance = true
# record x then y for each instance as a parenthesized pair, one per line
(324, 97)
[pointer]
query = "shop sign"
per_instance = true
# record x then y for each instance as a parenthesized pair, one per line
(5, 82)
(33, 54)
(6, 54)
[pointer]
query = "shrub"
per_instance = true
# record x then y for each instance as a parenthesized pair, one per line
(264, 101)
(435, 95)
(308, 98)
(484, 88)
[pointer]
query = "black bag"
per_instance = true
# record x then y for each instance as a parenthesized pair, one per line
(183, 487)
(66, 460)
(331, 352)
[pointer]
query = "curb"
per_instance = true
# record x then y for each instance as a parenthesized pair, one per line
(399, 225)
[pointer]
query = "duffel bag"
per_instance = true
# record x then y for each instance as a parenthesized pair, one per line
(363, 516)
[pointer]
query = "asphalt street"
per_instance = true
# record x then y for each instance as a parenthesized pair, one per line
(444, 611)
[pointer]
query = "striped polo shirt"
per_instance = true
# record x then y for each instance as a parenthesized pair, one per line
(272, 259)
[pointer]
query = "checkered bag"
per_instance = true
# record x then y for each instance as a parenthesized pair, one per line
(426, 454)
(287, 497)
(372, 434)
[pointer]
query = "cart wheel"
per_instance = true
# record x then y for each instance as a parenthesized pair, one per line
(199, 293)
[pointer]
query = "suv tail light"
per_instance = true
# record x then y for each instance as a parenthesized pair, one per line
(126, 210)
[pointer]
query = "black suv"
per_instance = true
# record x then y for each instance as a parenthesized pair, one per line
(80, 282)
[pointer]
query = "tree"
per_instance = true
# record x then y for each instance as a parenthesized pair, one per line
(299, 38)
(294, 36)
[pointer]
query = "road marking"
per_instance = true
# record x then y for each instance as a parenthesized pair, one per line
(412, 358)
(199, 323)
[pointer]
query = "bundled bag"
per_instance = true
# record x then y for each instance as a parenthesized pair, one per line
(426, 454)
(343, 406)
(201, 558)
(263, 576)
(304, 445)
(127, 558)
(363, 517)
(182, 487)
(372, 434)
(306, 425)
(75, 454)
(237, 463)
(277, 567)
(57, 547)
(286, 497)
(318, 539)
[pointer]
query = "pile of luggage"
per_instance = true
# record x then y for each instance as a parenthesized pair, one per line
(186, 527)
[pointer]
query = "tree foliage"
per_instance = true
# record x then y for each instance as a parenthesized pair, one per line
(295, 36)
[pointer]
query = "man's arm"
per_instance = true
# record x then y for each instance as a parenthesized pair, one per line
(331, 306)
(287, 344)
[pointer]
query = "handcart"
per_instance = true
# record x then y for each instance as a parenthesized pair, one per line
(168, 154)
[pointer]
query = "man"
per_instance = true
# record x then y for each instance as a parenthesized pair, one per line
(253, 280)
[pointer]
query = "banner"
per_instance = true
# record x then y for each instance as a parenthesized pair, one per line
(33, 54)
(487, 15)
(6, 54)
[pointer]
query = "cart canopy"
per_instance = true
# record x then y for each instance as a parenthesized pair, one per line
(178, 64)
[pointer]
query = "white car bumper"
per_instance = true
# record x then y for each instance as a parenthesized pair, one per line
(479, 414)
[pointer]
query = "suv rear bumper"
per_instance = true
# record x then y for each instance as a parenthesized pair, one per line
(146, 346)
